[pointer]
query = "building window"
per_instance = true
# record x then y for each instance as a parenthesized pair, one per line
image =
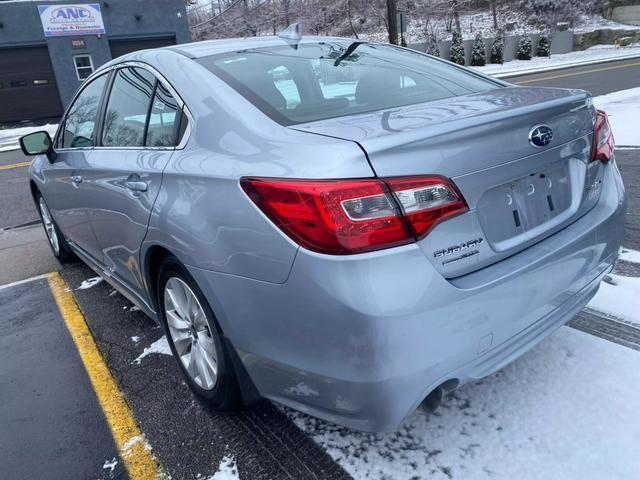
(84, 66)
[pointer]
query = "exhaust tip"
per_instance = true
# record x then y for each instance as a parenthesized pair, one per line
(432, 401)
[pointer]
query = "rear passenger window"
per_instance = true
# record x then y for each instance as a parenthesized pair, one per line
(80, 124)
(128, 107)
(163, 122)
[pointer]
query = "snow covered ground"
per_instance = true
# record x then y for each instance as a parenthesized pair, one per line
(597, 53)
(9, 137)
(472, 23)
(619, 296)
(623, 109)
(568, 409)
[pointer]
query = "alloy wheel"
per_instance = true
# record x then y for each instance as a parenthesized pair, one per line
(49, 227)
(190, 333)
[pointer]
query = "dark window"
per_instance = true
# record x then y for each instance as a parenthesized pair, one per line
(18, 83)
(163, 120)
(84, 66)
(128, 108)
(338, 78)
(80, 123)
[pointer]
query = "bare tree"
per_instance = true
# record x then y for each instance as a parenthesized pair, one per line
(494, 13)
(455, 11)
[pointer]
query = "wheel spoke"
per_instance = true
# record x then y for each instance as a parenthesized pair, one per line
(210, 361)
(182, 341)
(175, 322)
(203, 369)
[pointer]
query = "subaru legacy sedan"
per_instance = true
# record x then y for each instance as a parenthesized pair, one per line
(347, 228)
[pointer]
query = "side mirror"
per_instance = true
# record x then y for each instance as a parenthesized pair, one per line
(38, 143)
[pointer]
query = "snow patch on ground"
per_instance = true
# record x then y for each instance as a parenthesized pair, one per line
(110, 464)
(629, 255)
(568, 409)
(131, 308)
(227, 470)
(89, 282)
(135, 339)
(159, 346)
(127, 448)
(623, 109)
(9, 138)
(619, 296)
(540, 64)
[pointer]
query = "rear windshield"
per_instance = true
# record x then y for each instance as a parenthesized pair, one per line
(333, 79)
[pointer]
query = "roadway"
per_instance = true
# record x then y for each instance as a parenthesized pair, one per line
(599, 79)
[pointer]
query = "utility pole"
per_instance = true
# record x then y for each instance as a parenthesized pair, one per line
(392, 21)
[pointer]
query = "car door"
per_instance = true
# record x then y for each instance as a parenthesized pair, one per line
(67, 196)
(139, 134)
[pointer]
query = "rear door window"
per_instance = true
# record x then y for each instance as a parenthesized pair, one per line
(338, 78)
(127, 109)
(80, 123)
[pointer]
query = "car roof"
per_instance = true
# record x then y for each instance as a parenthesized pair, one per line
(213, 47)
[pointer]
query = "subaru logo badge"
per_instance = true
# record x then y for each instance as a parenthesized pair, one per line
(540, 135)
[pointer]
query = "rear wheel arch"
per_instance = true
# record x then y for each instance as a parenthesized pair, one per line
(154, 258)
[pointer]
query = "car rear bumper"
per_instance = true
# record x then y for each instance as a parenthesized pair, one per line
(361, 340)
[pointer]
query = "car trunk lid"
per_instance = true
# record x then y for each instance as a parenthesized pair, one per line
(517, 193)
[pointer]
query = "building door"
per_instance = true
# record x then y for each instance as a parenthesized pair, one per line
(28, 89)
(122, 47)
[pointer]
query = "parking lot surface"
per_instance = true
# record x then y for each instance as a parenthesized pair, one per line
(52, 423)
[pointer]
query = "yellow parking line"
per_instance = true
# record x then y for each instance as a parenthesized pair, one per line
(15, 165)
(134, 451)
(593, 70)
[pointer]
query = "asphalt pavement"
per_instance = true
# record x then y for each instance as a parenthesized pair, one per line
(599, 79)
(51, 407)
(52, 424)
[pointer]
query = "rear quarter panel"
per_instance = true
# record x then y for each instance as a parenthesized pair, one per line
(201, 213)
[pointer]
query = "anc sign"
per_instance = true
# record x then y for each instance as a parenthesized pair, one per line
(80, 19)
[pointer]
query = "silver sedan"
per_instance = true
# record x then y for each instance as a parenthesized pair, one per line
(347, 228)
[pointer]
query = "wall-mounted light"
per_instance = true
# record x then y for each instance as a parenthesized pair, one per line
(179, 15)
(1, 25)
(138, 17)
(106, 4)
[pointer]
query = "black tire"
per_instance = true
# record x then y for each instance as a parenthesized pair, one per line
(225, 394)
(63, 252)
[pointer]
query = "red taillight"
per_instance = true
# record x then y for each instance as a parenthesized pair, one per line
(351, 216)
(603, 143)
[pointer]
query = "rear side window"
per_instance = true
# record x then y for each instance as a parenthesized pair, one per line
(80, 124)
(164, 119)
(334, 79)
(128, 108)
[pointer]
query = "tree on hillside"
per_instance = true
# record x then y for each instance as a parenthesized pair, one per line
(431, 46)
(494, 13)
(457, 49)
(478, 56)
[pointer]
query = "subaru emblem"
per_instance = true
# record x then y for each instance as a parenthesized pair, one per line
(540, 135)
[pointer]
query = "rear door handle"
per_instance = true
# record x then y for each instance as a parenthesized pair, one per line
(136, 185)
(76, 179)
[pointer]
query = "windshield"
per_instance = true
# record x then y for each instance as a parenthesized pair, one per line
(333, 79)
